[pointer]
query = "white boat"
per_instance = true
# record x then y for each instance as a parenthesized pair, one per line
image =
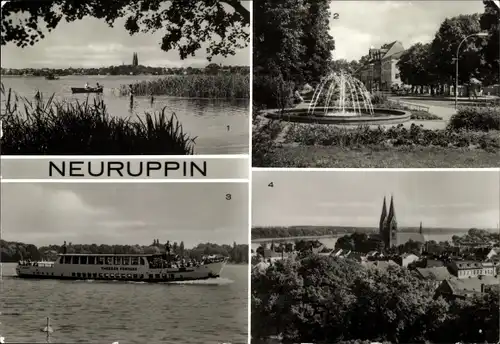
(125, 267)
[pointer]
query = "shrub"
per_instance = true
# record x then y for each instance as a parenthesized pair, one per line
(272, 91)
(476, 118)
(378, 98)
(324, 135)
(228, 86)
(264, 135)
(61, 128)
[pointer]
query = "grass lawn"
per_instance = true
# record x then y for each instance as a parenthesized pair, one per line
(382, 157)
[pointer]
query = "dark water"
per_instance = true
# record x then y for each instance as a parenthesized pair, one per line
(213, 311)
(207, 119)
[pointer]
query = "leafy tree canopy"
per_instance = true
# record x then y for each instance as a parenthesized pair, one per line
(187, 23)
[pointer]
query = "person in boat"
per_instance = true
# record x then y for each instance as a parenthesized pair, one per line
(64, 248)
(86, 86)
(167, 247)
(131, 90)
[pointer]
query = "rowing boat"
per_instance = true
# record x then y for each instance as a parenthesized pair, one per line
(86, 90)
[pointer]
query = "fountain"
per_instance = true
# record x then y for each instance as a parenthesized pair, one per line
(343, 100)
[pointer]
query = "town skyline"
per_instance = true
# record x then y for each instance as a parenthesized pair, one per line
(355, 199)
(356, 24)
(124, 214)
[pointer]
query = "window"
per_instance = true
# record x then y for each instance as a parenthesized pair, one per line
(83, 260)
(78, 274)
(95, 274)
(109, 260)
(67, 259)
(134, 261)
(117, 260)
(157, 276)
(91, 260)
(73, 274)
(126, 260)
(74, 260)
(135, 275)
(100, 260)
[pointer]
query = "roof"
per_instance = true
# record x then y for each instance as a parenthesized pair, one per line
(466, 285)
(436, 274)
(381, 264)
(431, 263)
(468, 264)
(406, 255)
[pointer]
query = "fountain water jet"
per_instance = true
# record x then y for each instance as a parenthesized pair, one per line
(340, 99)
(348, 89)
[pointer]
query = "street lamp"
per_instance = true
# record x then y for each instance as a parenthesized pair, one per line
(479, 34)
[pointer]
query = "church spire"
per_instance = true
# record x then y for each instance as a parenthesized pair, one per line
(383, 216)
(420, 230)
(392, 212)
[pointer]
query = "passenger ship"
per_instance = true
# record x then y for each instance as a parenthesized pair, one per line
(126, 267)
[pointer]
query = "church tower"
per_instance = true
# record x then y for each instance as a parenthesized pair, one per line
(383, 215)
(420, 230)
(391, 227)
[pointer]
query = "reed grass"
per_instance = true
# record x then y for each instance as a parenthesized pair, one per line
(52, 127)
(221, 86)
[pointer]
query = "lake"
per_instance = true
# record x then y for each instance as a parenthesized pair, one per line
(209, 311)
(329, 241)
(208, 119)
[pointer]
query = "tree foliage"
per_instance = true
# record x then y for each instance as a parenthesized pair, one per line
(415, 65)
(187, 23)
(291, 38)
(319, 299)
(444, 48)
(490, 22)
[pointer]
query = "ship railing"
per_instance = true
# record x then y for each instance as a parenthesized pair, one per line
(36, 264)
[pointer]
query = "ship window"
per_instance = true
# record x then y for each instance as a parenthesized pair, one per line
(109, 260)
(74, 260)
(100, 260)
(142, 276)
(73, 274)
(124, 276)
(105, 275)
(100, 275)
(143, 261)
(134, 261)
(157, 276)
(172, 276)
(117, 260)
(126, 260)
(67, 259)
(78, 274)
(135, 275)
(129, 276)
(151, 276)
(112, 275)
(95, 274)
(83, 260)
(91, 260)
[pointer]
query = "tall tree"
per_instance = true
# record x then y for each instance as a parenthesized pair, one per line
(444, 47)
(415, 65)
(490, 21)
(316, 39)
(187, 24)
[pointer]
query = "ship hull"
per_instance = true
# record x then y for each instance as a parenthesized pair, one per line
(128, 273)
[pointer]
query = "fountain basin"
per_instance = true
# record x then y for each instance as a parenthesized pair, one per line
(301, 115)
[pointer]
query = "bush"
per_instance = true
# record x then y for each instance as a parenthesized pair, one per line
(264, 135)
(272, 92)
(61, 128)
(227, 86)
(324, 135)
(476, 118)
(378, 98)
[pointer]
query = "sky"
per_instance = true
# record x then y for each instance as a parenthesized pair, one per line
(363, 24)
(124, 213)
(457, 199)
(91, 43)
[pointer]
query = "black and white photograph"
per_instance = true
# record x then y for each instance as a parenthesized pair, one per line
(124, 263)
(125, 78)
(375, 257)
(376, 84)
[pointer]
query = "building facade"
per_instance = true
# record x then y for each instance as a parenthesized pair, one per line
(381, 71)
